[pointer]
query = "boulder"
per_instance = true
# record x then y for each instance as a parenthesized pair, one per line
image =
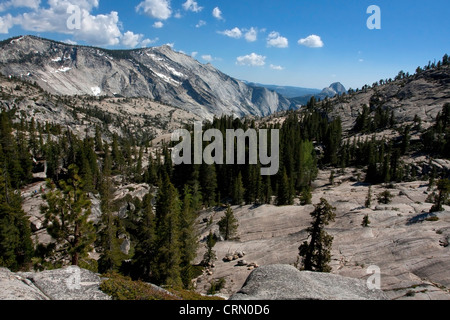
(15, 287)
(70, 283)
(228, 258)
(125, 246)
(242, 263)
(285, 282)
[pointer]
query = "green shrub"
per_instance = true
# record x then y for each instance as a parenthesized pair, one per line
(216, 286)
(120, 287)
(366, 221)
(123, 288)
(385, 197)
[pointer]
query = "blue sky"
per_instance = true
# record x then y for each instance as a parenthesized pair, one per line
(288, 42)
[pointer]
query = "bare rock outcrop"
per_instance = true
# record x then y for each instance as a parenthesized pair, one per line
(15, 287)
(284, 282)
(411, 251)
(71, 283)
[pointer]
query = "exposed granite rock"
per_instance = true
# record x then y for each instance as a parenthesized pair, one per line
(15, 287)
(411, 256)
(71, 283)
(157, 73)
(285, 282)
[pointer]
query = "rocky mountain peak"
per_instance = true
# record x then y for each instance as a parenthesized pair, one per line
(334, 89)
(338, 87)
(158, 73)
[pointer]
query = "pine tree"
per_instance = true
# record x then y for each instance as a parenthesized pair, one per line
(316, 255)
(362, 121)
(109, 244)
(368, 202)
(385, 197)
(267, 190)
(253, 185)
(306, 196)
(208, 183)
(167, 261)
(32, 140)
(16, 246)
(151, 176)
(188, 238)
(285, 190)
(332, 142)
(331, 179)
(228, 225)
(307, 165)
(238, 190)
(366, 222)
(108, 230)
(210, 255)
(143, 262)
(12, 164)
(117, 156)
(443, 187)
(406, 140)
(66, 218)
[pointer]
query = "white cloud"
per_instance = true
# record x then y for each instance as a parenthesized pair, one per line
(235, 33)
(194, 54)
(253, 59)
(6, 23)
(274, 67)
(191, 5)
(131, 40)
(159, 9)
(145, 43)
(312, 41)
(200, 24)
(158, 25)
(71, 42)
(32, 4)
(217, 13)
(276, 40)
(99, 30)
(207, 57)
(251, 35)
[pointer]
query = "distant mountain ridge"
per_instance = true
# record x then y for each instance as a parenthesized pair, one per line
(334, 89)
(157, 73)
(287, 91)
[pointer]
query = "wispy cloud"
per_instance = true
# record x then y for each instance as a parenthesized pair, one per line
(191, 5)
(31, 4)
(207, 57)
(217, 13)
(200, 24)
(278, 68)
